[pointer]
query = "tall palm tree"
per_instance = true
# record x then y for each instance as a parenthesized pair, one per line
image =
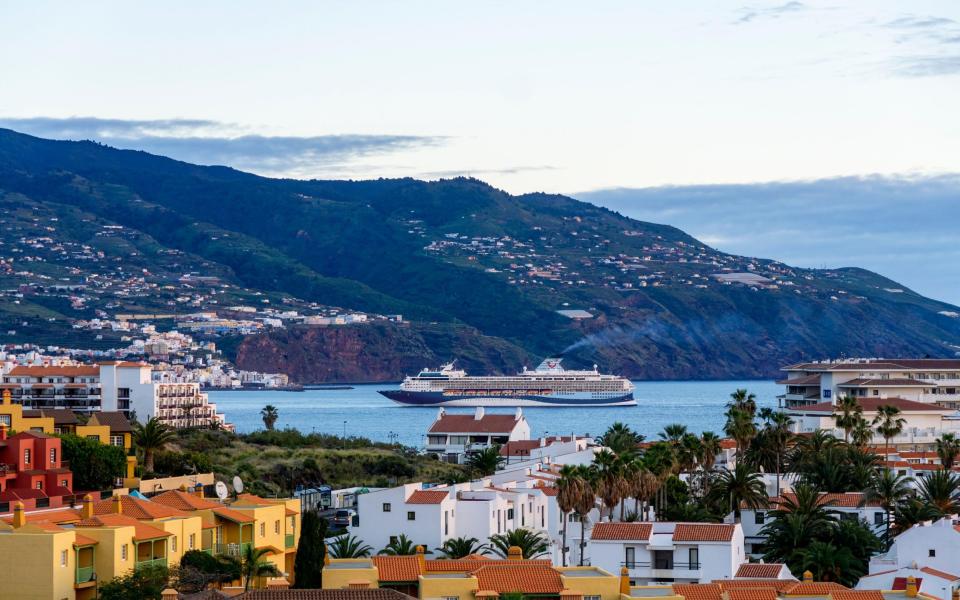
(269, 414)
(620, 439)
(586, 502)
(399, 546)
(642, 484)
(151, 437)
(569, 489)
(709, 448)
(673, 433)
(741, 428)
(689, 451)
(485, 462)
(889, 490)
(797, 519)
(253, 564)
(610, 483)
(739, 487)
(941, 491)
(862, 434)
(829, 563)
(846, 413)
(462, 547)
(348, 546)
(888, 422)
(948, 448)
(745, 401)
(533, 544)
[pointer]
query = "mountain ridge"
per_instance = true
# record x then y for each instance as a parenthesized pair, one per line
(463, 253)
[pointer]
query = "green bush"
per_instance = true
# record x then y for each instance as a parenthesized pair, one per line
(95, 466)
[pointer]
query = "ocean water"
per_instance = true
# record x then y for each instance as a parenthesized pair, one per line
(363, 412)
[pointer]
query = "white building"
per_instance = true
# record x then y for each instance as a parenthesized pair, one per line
(921, 380)
(668, 552)
(112, 386)
(845, 506)
(930, 582)
(455, 436)
(933, 544)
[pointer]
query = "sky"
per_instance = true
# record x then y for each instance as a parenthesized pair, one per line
(622, 102)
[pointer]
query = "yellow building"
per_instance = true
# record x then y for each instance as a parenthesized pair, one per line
(12, 416)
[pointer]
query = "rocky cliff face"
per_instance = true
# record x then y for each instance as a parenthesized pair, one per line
(375, 352)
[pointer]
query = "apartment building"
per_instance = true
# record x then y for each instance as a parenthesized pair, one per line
(455, 436)
(668, 552)
(129, 387)
(920, 380)
(32, 470)
(63, 553)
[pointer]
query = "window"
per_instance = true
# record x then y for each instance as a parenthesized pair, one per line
(826, 393)
(263, 529)
(94, 437)
(446, 523)
(693, 556)
(63, 558)
(26, 455)
(386, 507)
(276, 526)
(878, 518)
(40, 485)
(5, 420)
(53, 456)
(630, 558)
(876, 392)
(591, 598)
(509, 513)
(116, 440)
(411, 515)
(64, 483)
(173, 544)
(759, 517)
(123, 552)
(192, 541)
(932, 552)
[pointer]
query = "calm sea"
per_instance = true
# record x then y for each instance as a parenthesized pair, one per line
(363, 412)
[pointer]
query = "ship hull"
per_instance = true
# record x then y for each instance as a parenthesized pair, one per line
(553, 401)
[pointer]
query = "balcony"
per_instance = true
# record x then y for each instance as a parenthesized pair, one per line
(236, 550)
(152, 562)
(84, 575)
(663, 570)
(289, 540)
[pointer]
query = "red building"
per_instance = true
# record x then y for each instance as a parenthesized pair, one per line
(32, 470)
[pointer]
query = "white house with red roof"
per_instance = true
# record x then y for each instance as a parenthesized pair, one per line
(454, 436)
(657, 552)
(933, 544)
(930, 582)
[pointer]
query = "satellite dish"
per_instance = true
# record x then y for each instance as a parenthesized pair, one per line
(221, 489)
(237, 484)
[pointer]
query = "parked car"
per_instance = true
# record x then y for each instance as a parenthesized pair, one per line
(343, 517)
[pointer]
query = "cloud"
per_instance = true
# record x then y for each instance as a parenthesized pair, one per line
(210, 142)
(749, 14)
(902, 227)
(935, 37)
(926, 66)
(488, 171)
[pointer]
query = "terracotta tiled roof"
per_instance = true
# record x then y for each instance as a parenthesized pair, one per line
(759, 570)
(802, 380)
(184, 501)
(549, 490)
(397, 568)
(469, 424)
(884, 382)
(142, 531)
(728, 444)
(777, 584)
(927, 454)
(857, 595)
(698, 591)
(476, 561)
(871, 404)
(845, 500)
(237, 516)
(754, 593)
(344, 594)
(523, 578)
(427, 497)
(703, 532)
(886, 363)
(82, 540)
(137, 508)
(75, 371)
(621, 531)
(814, 588)
(66, 515)
(940, 574)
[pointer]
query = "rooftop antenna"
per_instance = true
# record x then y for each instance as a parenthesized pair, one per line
(221, 489)
(237, 485)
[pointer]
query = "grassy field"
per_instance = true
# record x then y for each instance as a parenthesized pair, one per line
(274, 463)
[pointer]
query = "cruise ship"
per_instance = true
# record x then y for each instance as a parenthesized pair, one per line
(548, 385)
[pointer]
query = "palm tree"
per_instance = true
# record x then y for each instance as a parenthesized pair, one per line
(586, 502)
(829, 563)
(861, 434)
(741, 486)
(252, 564)
(673, 433)
(642, 485)
(709, 448)
(620, 439)
(688, 452)
(948, 448)
(744, 401)
(569, 488)
(940, 490)
(796, 520)
(741, 428)
(533, 544)
(150, 438)
(846, 413)
(485, 462)
(888, 423)
(348, 546)
(610, 484)
(269, 414)
(889, 490)
(462, 547)
(399, 546)
(912, 511)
